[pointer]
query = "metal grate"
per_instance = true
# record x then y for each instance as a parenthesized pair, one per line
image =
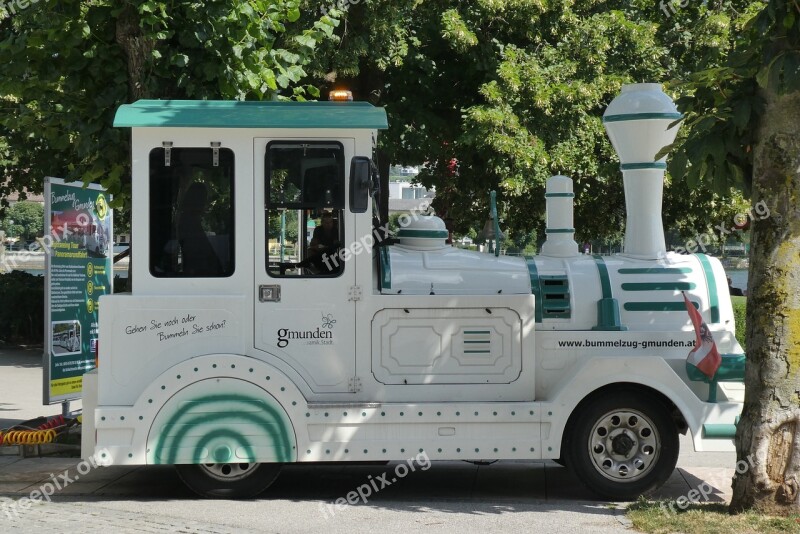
(554, 290)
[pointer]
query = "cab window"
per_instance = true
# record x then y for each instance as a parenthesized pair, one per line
(191, 213)
(304, 209)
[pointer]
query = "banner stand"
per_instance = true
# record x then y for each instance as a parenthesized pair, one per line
(78, 270)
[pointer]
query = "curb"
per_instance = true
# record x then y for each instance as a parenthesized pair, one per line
(43, 450)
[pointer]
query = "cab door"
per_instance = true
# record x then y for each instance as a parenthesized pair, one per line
(303, 311)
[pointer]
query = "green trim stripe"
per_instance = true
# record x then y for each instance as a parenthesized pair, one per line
(719, 431)
(533, 272)
(483, 332)
(559, 230)
(386, 268)
(731, 369)
(431, 234)
(605, 281)
(477, 352)
(608, 317)
(624, 117)
(484, 341)
(559, 195)
(658, 306)
(711, 282)
(657, 270)
(647, 165)
(659, 286)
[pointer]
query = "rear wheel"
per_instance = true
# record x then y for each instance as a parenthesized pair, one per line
(232, 481)
(623, 445)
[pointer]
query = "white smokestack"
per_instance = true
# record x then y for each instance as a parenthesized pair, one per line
(637, 122)
(560, 230)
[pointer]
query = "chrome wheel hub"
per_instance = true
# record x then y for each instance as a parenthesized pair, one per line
(624, 445)
(228, 472)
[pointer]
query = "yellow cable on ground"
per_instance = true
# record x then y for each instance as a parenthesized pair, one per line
(28, 437)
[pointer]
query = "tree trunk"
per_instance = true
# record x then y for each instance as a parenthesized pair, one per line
(768, 434)
(137, 49)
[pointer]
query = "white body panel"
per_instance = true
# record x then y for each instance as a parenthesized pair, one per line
(453, 271)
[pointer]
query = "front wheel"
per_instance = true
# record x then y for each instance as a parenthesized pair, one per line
(623, 445)
(231, 481)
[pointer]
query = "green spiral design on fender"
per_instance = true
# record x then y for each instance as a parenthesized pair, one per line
(217, 423)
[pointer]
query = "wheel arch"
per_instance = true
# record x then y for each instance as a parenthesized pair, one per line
(125, 433)
(221, 420)
(676, 415)
(647, 375)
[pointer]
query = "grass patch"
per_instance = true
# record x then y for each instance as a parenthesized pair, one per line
(706, 518)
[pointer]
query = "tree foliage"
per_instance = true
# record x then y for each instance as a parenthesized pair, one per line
(514, 90)
(69, 64)
(28, 220)
(723, 105)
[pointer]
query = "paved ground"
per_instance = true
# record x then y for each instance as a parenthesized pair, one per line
(21, 386)
(450, 496)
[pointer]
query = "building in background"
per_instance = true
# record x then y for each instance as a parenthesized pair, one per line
(405, 196)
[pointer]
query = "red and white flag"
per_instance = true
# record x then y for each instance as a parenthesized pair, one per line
(704, 355)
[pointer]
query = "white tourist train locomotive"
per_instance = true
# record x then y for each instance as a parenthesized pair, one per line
(268, 324)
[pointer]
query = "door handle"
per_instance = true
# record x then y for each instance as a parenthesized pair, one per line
(269, 293)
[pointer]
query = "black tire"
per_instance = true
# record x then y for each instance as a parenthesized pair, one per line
(622, 445)
(229, 481)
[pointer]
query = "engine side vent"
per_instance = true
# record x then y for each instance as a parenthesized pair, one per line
(554, 291)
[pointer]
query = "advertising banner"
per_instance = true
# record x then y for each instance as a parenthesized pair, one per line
(78, 270)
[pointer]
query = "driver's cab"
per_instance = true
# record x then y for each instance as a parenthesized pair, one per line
(247, 213)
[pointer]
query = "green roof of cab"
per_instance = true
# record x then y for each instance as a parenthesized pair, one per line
(237, 114)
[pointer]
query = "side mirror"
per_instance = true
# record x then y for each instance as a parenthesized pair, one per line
(360, 181)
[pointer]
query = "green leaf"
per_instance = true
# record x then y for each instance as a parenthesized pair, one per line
(180, 60)
(252, 79)
(789, 20)
(269, 78)
(764, 74)
(678, 165)
(741, 114)
(306, 40)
